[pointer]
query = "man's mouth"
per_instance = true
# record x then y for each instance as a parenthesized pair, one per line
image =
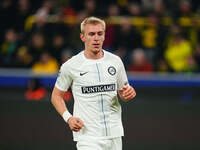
(96, 45)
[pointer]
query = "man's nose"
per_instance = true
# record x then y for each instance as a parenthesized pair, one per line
(96, 37)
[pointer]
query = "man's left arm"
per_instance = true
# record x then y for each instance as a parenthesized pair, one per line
(127, 93)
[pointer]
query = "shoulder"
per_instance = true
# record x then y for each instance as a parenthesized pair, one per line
(74, 61)
(112, 56)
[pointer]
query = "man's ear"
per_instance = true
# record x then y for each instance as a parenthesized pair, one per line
(82, 37)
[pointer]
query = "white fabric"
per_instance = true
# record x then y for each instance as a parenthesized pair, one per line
(66, 115)
(94, 86)
(107, 144)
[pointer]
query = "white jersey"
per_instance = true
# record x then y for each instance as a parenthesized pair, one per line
(94, 85)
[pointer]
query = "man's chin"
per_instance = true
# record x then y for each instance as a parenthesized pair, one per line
(96, 50)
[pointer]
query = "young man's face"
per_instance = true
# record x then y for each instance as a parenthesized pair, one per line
(93, 37)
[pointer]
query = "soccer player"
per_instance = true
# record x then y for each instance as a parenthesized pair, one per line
(95, 77)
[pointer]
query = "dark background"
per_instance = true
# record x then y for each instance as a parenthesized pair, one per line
(164, 118)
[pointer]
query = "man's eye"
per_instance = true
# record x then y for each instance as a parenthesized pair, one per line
(91, 34)
(100, 33)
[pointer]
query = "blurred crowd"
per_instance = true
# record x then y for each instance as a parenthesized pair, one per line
(149, 35)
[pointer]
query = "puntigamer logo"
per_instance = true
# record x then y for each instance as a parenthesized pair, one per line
(98, 88)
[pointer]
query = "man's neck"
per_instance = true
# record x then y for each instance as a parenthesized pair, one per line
(93, 55)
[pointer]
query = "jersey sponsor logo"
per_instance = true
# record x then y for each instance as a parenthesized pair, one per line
(83, 73)
(112, 70)
(98, 88)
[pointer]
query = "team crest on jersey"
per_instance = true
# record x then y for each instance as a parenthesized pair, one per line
(112, 70)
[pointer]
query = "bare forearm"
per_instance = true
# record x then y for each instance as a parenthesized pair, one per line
(59, 105)
(58, 102)
(75, 123)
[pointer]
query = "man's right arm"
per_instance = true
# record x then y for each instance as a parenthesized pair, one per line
(57, 101)
(75, 124)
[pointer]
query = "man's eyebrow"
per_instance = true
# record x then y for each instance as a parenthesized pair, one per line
(95, 32)
(91, 32)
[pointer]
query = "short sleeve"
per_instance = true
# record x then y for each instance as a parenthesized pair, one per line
(64, 79)
(121, 76)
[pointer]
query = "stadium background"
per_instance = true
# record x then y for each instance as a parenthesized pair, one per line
(165, 113)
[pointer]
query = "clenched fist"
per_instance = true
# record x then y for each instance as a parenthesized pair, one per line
(75, 123)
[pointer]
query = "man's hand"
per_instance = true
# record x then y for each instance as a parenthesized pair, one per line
(127, 93)
(75, 124)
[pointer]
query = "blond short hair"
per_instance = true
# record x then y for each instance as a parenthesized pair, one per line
(92, 20)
